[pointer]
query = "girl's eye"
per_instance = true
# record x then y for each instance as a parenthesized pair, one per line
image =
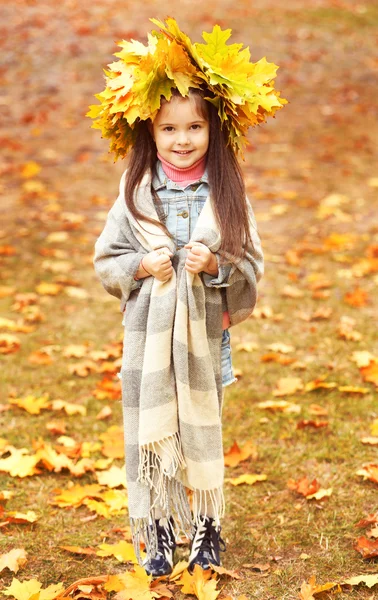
(197, 126)
(168, 128)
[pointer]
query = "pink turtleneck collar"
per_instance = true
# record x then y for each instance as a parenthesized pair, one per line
(184, 176)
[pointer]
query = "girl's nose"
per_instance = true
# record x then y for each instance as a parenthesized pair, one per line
(183, 138)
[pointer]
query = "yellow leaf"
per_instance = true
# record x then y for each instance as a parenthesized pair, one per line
(287, 386)
(351, 389)
(237, 455)
(19, 464)
(246, 347)
(322, 493)
(280, 347)
(136, 585)
(48, 289)
(178, 569)
(223, 571)
(31, 590)
(112, 478)
(30, 169)
(249, 479)
(76, 494)
(362, 358)
(280, 405)
(68, 407)
(13, 560)
(19, 517)
(123, 551)
(32, 404)
(368, 580)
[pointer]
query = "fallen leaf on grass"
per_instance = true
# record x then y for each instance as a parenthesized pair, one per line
(280, 406)
(320, 494)
(48, 289)
(357, 298)
(69, 407)
(223, 571)
(287, 386)
(123, 551)
(201, 584)
(32, 590)
(32, 404)
(351, 389)
(310, 589)
(9, 343)
(363, 358)
(371, 441)
(114, 477)
(311, 423)
(280, 347)
(249, 479)
(15, 516)
(368, 580)
(319, 383)
(261, 568)
(370, 373)
(13, 560)
(246, 347)
(369, 472)
(236, 455)
(178, 569)
(303, 486)
(369, 520)
(367, 548)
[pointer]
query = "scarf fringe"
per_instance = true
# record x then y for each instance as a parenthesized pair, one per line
(208, 503)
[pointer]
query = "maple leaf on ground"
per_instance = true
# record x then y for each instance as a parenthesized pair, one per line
(13, 560)
(32, 590)
(357, 298)
(367, 548)
(369, 472)
(249, 479)
(32, 404)
(287, 386)
(310, 423)
(368, 580)
(19, 517)
(370, 373)
(123, 551)
(223, 571)
(280, 406)
(303, 486)
(112, 478)
(236, 455)
(200, 583)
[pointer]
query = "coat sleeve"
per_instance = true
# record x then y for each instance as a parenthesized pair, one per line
(241, 292)
(117, 253)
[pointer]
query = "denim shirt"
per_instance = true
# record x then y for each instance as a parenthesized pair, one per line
(179, 210)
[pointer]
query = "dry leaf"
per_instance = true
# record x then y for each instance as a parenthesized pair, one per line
(367, 548)
(112, 478)
(123, 551)
(280, 406)
(13, 560)
(287, 386)
(249, 479)
(31, 589)
(236, 455)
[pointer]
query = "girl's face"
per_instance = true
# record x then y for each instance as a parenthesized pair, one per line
(180, 132)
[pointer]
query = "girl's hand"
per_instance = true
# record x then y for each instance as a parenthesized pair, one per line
(200, 258)
(158, 264)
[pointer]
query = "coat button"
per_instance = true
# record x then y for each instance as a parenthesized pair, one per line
(185, 214)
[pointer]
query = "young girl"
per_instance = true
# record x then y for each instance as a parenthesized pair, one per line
(181, 251)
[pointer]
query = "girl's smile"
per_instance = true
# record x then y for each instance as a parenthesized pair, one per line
(180, 132)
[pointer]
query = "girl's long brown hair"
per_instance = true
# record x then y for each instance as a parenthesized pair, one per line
(225, 179)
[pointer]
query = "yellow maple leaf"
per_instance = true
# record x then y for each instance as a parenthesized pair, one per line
(32, 404)
(13, 560)
(19, 463)
(69, 407)
(48, 289)
(368, 580)
(112, 478)
(287, 386)
(15, 516)
(136, 585)
(75, 495)
(123, 551)
(237, 455)
(249, 479)
(30, 169)
(32, 590)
